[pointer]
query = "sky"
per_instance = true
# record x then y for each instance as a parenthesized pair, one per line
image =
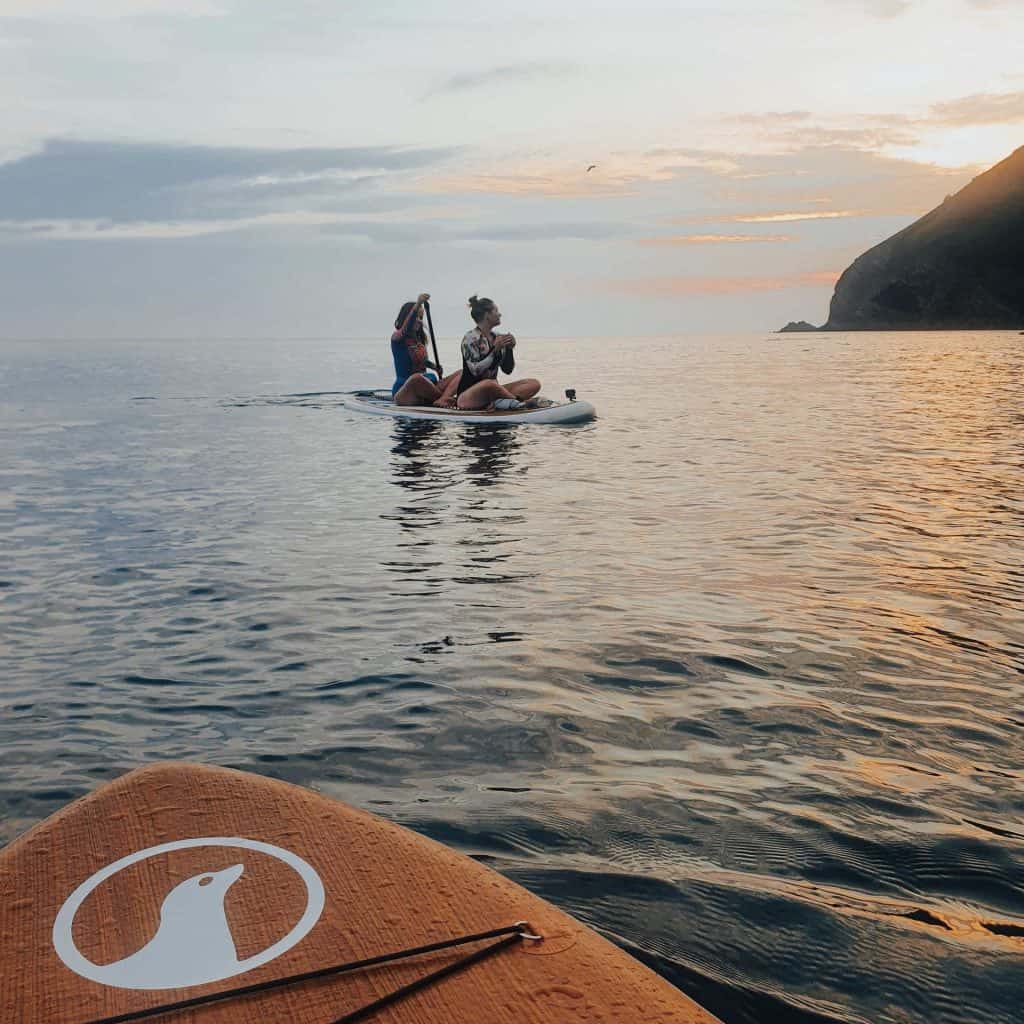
(244, 168)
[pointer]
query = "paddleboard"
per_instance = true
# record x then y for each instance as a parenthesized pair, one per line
(379, 403)
(177, 885)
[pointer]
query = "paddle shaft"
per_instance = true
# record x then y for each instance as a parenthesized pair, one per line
(433, 340)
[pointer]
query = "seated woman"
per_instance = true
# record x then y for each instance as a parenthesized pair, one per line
(483, 354)
(413, 384)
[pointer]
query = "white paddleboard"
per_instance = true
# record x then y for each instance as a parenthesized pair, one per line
(379, 403)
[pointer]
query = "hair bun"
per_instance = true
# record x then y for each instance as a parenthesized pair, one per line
(479, 307)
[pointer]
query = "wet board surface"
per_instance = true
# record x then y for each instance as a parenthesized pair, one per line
(177, 881)
(379, 403)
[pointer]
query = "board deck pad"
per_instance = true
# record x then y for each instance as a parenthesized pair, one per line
(178, 880)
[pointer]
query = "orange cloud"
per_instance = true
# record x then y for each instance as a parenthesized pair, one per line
(712, 239)
(616, 175)
(783, 218)
(561, 181)
(668, 287)
(878, 132)
(527, 184)
(981, 108)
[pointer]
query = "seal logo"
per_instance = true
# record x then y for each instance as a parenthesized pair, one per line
(193, 944)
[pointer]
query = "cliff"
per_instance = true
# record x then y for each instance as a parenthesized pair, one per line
(959, 267)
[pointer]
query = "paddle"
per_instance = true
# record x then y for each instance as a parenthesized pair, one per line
(433, 340)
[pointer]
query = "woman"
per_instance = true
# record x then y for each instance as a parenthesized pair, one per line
(413, 384)
(483, 354)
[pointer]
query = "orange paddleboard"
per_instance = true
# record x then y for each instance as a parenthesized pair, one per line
(178, 883)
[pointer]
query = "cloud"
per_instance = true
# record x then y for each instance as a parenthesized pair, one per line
(886, 9)
(387, 222)
(104, 230)
(584, 231)
(821, 183)
(669, 287)
(889, 8)
(616, 176)
(712, 239)
(784, 117)
(559, 182)
(107, 8)
(981, 108)
(663, 187)
(508, 74)
(788, 218)
(878, 133)
(664, 161)
(451, 231)
(798, 129)
(139, 182)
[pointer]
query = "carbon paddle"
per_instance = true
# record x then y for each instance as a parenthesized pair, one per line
(433, 340)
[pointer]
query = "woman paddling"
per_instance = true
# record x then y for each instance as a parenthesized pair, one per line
(414, 385)
(483, 354)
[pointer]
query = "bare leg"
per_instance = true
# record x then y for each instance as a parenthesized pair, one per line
(524, 389)
(417, 390)
(481, 395)
(448, 386)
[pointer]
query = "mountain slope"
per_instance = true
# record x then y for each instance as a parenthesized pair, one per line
(959, 267)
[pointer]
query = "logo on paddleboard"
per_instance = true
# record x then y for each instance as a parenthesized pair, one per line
(193, 944)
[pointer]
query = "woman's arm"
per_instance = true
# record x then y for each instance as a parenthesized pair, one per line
(508, 359)
(403, 331)
(477, 363)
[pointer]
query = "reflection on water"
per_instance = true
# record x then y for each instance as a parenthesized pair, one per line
(489, 453)
(435, 452)
(737, 680)
(455, 531)
(414, 445)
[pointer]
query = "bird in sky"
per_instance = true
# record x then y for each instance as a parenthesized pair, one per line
(591, 167)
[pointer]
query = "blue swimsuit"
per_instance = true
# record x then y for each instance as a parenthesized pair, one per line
(409, 354)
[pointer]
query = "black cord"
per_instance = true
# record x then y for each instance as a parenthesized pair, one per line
(514, 932)
(427, 979)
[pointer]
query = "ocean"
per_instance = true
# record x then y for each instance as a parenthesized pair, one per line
(732, 673)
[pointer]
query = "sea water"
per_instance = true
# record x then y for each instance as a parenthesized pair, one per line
(733, 673)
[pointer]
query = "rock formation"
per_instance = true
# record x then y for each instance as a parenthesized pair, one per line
(959, 267)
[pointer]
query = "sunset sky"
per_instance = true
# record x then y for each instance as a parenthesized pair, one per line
(210, 168)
